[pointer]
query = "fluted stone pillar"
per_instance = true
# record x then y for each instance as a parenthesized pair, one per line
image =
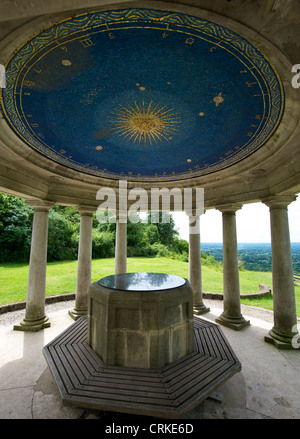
(35, 318)
(231, 316)
(121, 246)
(195, 271)
(84, 265)
(284, 332)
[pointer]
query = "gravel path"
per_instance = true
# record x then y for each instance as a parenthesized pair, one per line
(12, 317)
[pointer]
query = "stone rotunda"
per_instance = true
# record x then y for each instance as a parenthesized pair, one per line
(194, 94)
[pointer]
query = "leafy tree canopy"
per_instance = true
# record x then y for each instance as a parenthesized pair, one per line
(144, 238)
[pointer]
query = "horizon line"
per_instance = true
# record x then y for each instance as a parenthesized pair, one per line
(242, 242)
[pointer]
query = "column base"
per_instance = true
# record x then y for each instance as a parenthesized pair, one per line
(77, 313)
(282, 341)
(200, 309)
(236, 323)
(33, 325)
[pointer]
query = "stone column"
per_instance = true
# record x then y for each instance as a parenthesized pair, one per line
(195, 272)
(121, 246)
(35, 318)
(231, 315)
(84, 266)
(284, 331)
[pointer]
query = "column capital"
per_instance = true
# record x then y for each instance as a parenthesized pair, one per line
(40, 205)
(229, 208)
(86, 210)
(279, 201)
(193, 212)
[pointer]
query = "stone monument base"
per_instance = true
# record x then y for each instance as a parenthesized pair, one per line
(148, 324)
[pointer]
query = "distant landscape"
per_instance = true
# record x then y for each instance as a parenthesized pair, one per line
(254, 256)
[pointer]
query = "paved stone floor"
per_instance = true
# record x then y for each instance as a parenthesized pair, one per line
(268, 387)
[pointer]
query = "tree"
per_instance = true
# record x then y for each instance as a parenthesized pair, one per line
(15, 229)
(151, 234)
(16, 219)
(143, 238)
(166, 230)
(62, 238)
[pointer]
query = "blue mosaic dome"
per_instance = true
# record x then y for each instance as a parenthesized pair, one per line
(142, 94)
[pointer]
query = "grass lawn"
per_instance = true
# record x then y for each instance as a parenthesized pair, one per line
(61, 278)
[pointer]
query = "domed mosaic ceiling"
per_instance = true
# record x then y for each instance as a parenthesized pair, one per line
(141, 94)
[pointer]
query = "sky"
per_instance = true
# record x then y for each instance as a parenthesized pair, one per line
(253, 224)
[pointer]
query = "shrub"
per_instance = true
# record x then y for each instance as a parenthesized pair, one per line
(62, 242)
(103, 244)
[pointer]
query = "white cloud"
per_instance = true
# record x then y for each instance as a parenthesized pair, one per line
(253, 223)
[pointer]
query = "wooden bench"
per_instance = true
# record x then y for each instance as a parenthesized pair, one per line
(85, 381)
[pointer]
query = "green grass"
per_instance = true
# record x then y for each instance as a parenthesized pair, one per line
(61, 278)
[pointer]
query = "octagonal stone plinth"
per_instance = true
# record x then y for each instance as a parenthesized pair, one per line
(142, 320)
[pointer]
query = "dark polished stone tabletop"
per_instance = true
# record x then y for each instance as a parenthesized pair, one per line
(142, 281)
